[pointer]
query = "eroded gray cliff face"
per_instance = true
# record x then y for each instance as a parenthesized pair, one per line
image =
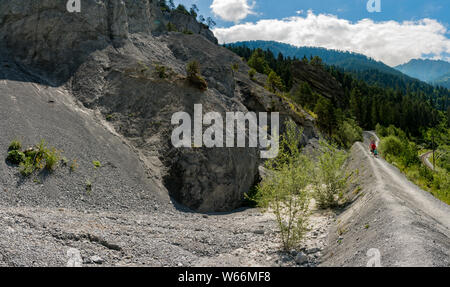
(107, 56)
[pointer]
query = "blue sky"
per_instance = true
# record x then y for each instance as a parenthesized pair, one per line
(338, 24)
(354, 10)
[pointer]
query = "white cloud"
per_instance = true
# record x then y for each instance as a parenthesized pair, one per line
(391, 42)
(232, 10)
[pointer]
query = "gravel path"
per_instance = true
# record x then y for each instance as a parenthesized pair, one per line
(407, 225)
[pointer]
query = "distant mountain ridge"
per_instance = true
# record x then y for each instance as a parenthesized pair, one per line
(346, 60)
(372, 72)
(432, 71)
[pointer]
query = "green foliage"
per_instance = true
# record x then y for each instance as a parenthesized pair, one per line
(284, 190)
(193, 68)
(304, 96)
(15, 145)
(316, 61)
(396, 145)
(97, 164)
(27, 167)
(391, 145)
(171, 27)
(330, 176)
(15, 157)
(187, 32)
(35, 158)
(252, 73)
(325, 115)
(235, 67)
(161, 71)
(443, 160)
(274, 83)
(348, 132)
(442, 185)
(258, 62)
(403, 153)
(52, 157)
(182, 9)
(194, 77)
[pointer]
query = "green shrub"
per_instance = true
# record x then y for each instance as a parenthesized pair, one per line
(442, 185)
(161, 71)
(16, 157)
(409, 154)
(274, 83)
(182, 9)
(391, 145)
(35, 158)
(187, 32)
(171, 27)
(330, 179)
(96, 164)
(15, 145)
(426, 173)
(284, 190)
(194, 77)
(52, 158)
(258, 62)
(235, 67)
(380, 130)
(252, 73)
(348, 133)
(444, 159)
(192, 68)
(27, 167)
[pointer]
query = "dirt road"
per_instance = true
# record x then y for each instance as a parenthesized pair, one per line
(425, 158)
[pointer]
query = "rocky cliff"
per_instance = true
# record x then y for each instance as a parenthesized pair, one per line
(117, 58)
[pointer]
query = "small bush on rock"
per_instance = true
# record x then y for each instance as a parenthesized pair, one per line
(194, 77)
(161, 71)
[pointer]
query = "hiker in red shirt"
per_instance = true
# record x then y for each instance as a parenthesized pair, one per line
(373, 146)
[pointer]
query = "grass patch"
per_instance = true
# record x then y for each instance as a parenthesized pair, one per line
(34, 158)
(402, 153)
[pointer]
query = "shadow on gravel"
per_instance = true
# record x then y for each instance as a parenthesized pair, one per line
(185, 209)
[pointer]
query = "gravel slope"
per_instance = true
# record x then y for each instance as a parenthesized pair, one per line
(407, 225)
(127, 219)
